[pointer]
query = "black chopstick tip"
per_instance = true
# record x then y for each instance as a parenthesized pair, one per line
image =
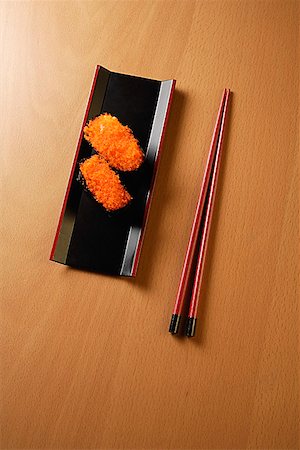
(174, 324)
(190, 326)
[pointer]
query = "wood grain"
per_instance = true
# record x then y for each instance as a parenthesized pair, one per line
(86, 359)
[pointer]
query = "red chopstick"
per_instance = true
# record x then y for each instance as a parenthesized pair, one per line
(207, 192)
(192, 316)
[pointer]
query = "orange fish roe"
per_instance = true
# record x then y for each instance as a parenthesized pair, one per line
(115, 142)
(104, 183)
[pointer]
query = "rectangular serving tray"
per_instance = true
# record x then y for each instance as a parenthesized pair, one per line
(87, 236)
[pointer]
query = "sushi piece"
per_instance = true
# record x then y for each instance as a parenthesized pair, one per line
(104, 184)
(115, 142)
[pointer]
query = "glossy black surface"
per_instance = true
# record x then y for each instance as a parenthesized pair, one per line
(99, 238)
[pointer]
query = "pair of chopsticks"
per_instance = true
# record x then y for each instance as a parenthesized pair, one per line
(201, 227)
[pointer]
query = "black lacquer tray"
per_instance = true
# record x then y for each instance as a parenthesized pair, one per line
(87, 236)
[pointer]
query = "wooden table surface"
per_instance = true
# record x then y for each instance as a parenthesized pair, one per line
(87, 361)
